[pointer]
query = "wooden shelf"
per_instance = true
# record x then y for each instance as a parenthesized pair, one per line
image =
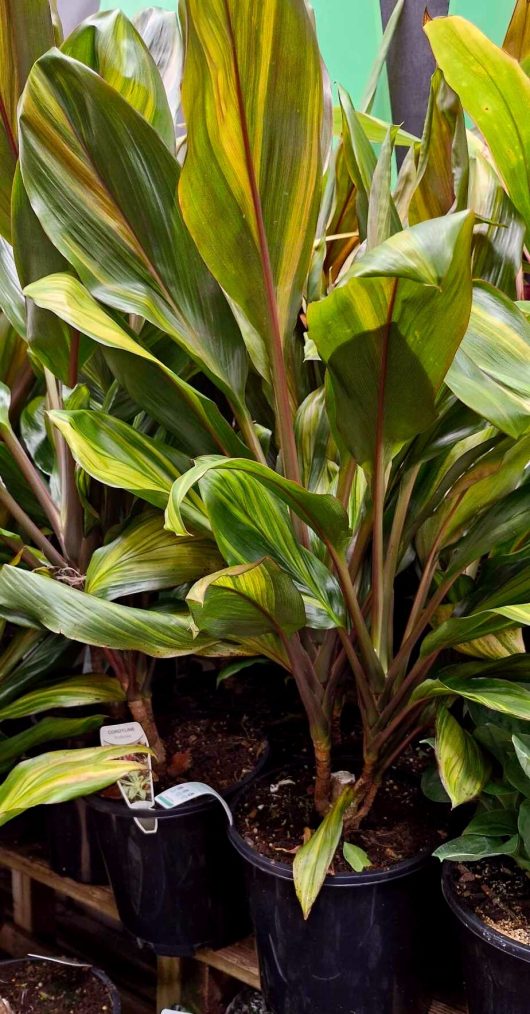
(176, 977)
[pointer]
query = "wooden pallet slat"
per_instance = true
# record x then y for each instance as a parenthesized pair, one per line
(179, 980)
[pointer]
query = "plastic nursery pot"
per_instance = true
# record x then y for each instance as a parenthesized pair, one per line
(7, 967)
(183, 887)
(363, 948)
(73, 847)
(496, 968)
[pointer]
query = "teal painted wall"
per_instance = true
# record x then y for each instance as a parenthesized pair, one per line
(349, 32)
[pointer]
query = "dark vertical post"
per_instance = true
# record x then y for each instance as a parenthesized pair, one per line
(410, 63)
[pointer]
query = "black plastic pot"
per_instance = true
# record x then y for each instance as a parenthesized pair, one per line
(73, 847)
(115, 999)
(182, 888)
(496, 968)
(362, 949)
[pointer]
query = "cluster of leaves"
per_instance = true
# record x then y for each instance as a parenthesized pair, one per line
(255, 385)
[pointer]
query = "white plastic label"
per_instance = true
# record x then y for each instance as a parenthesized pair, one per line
(136, 788)
(179, 794)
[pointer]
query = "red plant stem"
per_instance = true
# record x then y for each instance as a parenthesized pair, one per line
(423, 620)
(350, 597)
(31, 529)
(366, 698)
(379, 492)
(7, 127)
(33, 479)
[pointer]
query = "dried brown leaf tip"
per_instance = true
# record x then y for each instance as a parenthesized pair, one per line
(426, 17)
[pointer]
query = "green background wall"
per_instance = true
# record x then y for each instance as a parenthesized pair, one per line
(349, 31)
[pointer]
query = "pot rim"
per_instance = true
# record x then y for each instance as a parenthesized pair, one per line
(474, 923)
(285, 872)
(119, 808)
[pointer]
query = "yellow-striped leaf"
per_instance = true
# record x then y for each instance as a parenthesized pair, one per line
(146, 557)
(45, 731)
(75, 692)
(32, 599)
(128, 243)
(322, 512)
(463, 767)
(68, 300)
(390, 332)
(498, 242)
(491, 369)
(253, 162)
(161, 33)
(493, 89)
(110, 44)
(313, 860)
(61, 775)
(26, 31)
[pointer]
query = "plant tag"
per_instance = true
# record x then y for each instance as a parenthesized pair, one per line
(137, 787)
(179, 794)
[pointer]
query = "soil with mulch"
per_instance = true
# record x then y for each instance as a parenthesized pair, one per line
(274, 816)
(39, 987)
(213, 750)
(498, 892)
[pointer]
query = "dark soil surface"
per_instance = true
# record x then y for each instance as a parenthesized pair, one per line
(40, 987)
(213, 750)
(498, 892)
(273, 816)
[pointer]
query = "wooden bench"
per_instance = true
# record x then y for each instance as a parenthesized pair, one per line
(34, 888)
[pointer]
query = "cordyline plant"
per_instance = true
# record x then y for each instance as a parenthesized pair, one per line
(348, 369)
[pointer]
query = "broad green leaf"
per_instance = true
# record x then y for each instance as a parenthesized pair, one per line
(497, 694)
(491, 369)
(77, 691)
(247, 601)
(382, 221)
(522, 750)
(253, 161)
(438, 176)
(517, 40)
(356, 857)
(312, 861)
(45, 654)
(471, 847)
(493, 88)
(375, 129)
(153, 382)
(466, 628)
(61, 775)
(11, 298)
(160, 31)
(49, 338)
(145, 557)
(31, 599)
(45, 731)
(116, 454)
(507, 520)
(523, 824)
(361, 162)
(498, 241)
(463, 768)
(394, 327)
(142, 263)
(490, 477)
(26, 31)
(315, 444)
(493, 822)
(35, 435)
(322, 512)
(250, 522)
(110, 44)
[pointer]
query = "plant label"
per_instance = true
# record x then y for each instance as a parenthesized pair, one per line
(180, 794)
(137, 787)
